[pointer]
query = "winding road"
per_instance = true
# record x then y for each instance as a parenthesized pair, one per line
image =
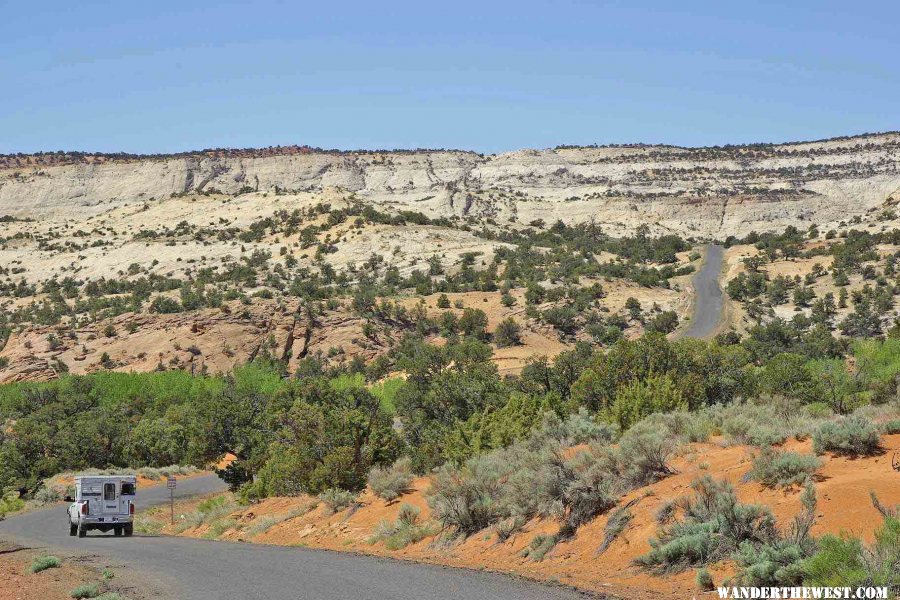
(709, 302)
(209, 570)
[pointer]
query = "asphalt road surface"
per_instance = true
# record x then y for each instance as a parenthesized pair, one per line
(708, 301)
(208, 570)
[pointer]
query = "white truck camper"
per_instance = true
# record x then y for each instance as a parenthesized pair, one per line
(102, 502)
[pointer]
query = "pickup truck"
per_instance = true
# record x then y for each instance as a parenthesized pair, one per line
(104, 503)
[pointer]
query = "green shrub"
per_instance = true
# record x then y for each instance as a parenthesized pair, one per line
(578, 428)
(704, 580)
(326, 438)
(47, 495)
(216, 506)
(507, 333)
(404, 535)
(213, 510)
(775, 563)
(777, 560)
(473, 322)
(263, 525)
(10, 503)
(408, 514)
(539, 547)
(336, 500)
(819, 410)
(534, 482)
(852, 436)
(699, 428)
(664, 322)
(643, 397)
(404, 531)
(883, 557)
(88, 590)
(762, 423)
(389, 483)
(646, 452)
(665, 514)
(218, 527)
(467, 499)
(507, 527)
(838, 562)
(531, 478)
(615, 525)
(164, 472)
(147, 524)
(743, 429)
(536, 477)
(42, 563)
(776, 468)
(713, 525)
(878, 361)
(589, 487)
(386, 392)
(684, 545)
(164, 305)
(845, 561)
(890, 427)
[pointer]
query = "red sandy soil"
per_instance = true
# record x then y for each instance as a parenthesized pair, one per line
(842, 486)
(16, 583)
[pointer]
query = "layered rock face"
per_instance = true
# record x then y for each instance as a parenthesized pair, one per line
(703, 192)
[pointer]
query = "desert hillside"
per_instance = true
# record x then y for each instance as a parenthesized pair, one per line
(202, 261)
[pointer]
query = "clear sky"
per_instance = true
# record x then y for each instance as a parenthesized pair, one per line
(489, 76)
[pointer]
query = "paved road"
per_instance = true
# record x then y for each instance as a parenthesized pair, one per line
(708, 301)
(209, 570)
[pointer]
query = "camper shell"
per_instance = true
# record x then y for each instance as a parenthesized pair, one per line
(104, 503)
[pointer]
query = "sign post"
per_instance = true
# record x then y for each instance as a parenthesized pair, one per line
(171, 485)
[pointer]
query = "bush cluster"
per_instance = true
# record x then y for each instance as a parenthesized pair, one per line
(405, 530)
(712, 526)
(42, 563)
(854, 436)
(390, 482)
(776, 468)
(540, 477)
(336, 500)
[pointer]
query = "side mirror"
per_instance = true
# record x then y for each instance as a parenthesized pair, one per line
(69, 499)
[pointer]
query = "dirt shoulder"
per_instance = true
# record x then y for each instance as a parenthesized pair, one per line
(17, 582)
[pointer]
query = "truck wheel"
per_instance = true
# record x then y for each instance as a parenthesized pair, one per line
(73, 529)
(82, 530)
(129, 529)
(118, 530)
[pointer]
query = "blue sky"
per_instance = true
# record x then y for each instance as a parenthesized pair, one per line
(489, 76)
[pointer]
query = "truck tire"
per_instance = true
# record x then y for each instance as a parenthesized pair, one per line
(73, 529)
(82, 530)
(129, 529)
(117, 530)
